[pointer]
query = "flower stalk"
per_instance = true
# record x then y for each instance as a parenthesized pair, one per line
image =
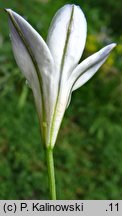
(51, 172)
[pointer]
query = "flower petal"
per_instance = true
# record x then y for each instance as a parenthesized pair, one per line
(22, 56)
(86, 69)
(66, 38)
(36, 62)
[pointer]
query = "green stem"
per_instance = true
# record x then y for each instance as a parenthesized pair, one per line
(51, 173)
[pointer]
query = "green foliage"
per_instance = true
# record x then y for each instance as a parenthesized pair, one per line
(88, 153)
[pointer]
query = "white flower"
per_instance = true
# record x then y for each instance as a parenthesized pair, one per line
(52, 69)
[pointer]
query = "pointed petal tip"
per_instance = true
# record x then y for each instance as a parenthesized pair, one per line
(7, 10)
(114, 44)
(111, 46)
(73, 6)
(105, 51)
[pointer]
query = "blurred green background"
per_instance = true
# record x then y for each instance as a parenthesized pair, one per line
(88, 153)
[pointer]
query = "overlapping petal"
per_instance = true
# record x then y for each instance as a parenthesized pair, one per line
(66, 38)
